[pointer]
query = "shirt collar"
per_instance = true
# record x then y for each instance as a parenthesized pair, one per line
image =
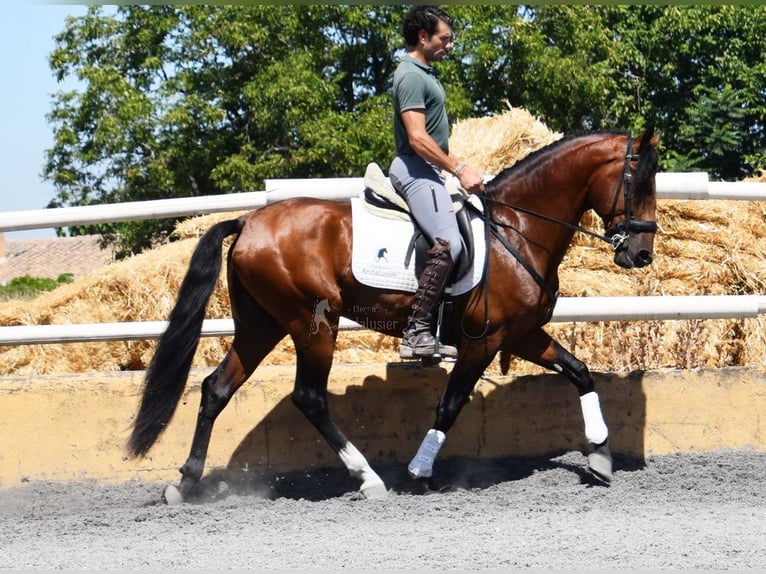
(428, 69)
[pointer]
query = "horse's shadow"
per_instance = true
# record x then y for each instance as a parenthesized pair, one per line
(386, 419)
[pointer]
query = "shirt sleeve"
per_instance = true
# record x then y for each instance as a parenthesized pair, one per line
(410, 93)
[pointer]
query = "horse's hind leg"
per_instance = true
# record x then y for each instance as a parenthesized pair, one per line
(314, 361)
(253, 340)
(541, 349)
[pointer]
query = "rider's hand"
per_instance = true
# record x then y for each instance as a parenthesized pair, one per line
(472, 180)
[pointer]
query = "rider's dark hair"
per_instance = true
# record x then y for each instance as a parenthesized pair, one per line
(423, 17)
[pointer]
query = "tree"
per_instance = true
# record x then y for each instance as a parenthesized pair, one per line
(187, 100)
(181, 101)
(697, 72)
(701, 74)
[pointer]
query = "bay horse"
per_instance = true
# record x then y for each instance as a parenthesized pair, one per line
(289, 255)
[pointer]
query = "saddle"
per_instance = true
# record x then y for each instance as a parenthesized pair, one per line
(381, 198)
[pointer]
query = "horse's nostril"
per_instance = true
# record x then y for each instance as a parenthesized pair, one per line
(645, 257)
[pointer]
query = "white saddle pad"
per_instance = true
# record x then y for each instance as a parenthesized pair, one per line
(380, 249)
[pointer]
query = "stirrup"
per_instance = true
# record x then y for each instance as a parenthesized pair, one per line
(426, 346)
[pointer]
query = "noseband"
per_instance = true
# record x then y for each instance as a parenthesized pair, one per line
(619, 233)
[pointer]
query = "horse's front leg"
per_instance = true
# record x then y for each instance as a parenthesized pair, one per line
(467, 370)
(541, 349)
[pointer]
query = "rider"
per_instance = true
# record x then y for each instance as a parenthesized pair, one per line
(421, 135)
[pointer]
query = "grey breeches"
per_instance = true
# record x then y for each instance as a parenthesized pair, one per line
(421, 184)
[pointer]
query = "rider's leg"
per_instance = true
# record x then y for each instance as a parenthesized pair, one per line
(431, 205)
(422, 185)
(417, 340)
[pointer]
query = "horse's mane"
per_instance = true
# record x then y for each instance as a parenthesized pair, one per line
(646, 164)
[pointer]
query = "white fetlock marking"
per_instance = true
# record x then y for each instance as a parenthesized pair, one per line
(595, 427)
(422, 464)
(358, 467)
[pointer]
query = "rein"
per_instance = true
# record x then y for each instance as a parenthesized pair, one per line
(566, 224)
(493, 228)
(616, 235)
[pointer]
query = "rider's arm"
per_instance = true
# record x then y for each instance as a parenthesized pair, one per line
(426, 147)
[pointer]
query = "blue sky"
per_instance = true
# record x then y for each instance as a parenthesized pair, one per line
(26, 39)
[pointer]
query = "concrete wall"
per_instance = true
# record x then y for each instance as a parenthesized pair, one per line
(75, 427)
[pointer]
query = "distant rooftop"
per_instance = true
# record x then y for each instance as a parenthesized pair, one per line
(51, 257)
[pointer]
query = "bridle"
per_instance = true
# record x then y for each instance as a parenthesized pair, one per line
(617, 235)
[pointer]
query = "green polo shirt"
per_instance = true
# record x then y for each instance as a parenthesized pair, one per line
(417, 88)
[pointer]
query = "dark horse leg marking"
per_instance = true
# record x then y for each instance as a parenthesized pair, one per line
(538, 347)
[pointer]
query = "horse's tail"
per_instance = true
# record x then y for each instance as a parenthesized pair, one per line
(169, 368)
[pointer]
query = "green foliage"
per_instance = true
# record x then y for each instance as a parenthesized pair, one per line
(702, 77)
(28, 287)
(187, 100)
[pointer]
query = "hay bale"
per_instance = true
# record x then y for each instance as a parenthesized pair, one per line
(494, 143)
(703, 248)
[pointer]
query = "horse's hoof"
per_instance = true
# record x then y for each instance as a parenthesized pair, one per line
(429, 486)
(172, 495)
(600, 464)
(375, 491)
(222, 490)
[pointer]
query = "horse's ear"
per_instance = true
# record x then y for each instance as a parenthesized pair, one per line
(648, 138)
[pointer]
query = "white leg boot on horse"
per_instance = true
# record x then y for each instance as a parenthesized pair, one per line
(422, 464)
(418, 341)
(600, 460)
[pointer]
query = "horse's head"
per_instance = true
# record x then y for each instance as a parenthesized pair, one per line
(628, 208)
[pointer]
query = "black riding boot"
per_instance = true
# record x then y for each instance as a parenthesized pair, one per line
(417, 340)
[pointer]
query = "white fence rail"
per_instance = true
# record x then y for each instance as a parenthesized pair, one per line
(568, 309)
(693, 185)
